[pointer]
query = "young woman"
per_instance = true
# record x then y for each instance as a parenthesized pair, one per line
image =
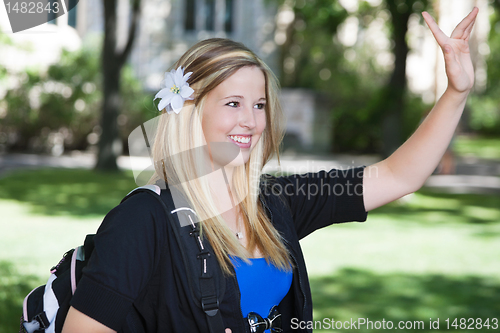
(222, 97)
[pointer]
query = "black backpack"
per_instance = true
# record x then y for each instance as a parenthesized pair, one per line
(45, 307)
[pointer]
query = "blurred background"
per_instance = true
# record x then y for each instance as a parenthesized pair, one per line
(357, 76)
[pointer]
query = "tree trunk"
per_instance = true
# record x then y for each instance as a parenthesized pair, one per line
(395, 91)
(112, 63)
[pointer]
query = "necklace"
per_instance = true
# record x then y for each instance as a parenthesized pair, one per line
(239, 234)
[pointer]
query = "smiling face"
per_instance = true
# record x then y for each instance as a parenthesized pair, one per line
(235, 112)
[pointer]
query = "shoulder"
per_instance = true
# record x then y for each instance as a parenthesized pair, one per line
(318, 199)
(137, 213)
(301, 184)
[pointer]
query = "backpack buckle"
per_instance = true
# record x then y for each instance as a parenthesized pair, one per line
(210, 305)
(39, 322)
(42, 319)
(202, 254)
(195, 231)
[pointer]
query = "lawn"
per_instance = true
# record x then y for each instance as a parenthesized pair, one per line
(485, 148)
(428, 256)
(425, 257)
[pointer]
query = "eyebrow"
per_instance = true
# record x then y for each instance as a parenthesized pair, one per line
(241, 97)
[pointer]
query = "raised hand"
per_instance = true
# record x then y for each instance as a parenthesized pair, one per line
(456, 51)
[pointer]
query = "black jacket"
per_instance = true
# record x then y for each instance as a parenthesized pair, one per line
(135, 280)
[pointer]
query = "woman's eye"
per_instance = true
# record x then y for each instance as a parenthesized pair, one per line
(260, 106)
(233, 104)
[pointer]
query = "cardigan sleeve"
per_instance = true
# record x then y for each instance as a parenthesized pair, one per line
(125, 255)
(317, 200)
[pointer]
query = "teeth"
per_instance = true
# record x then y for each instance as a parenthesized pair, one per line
(240, 139)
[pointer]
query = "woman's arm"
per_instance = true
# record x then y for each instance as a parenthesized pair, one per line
(406, 170)
(78, 322)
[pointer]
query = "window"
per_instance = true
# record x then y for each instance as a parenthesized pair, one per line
(72, 11)
(228, 16)
(51, 16)
(189, 23)
(209, 15)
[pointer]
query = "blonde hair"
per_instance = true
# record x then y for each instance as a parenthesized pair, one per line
(212, 61)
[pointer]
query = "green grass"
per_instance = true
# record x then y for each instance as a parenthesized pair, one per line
(14, 286)
(487, 148)
(79, 193)
(44, 213)
(429, 207)
(427, 256)
(352, 293)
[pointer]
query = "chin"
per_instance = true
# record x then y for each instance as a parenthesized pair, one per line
(241, 159)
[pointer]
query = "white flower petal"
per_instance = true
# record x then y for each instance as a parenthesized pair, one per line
(187, 76)
(168, 82)
(186, 91)
(163, 103)
(172, 101)
(164, 93)
(172, 73)
(179, 74)
(177, 103)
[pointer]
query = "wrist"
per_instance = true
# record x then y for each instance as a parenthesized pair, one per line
(456, 94)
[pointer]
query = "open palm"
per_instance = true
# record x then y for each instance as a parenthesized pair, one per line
(456, 51)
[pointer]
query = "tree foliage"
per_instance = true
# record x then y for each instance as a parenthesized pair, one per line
(485, 106)
(60, 106)
(359, 87)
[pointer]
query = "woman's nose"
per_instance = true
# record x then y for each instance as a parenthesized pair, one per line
(247, 118)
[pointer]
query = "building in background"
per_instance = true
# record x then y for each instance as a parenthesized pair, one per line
(168, 28)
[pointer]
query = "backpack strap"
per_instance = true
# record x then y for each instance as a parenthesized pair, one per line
(198, 257)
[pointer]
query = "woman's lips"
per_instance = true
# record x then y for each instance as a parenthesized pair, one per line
(243, 141)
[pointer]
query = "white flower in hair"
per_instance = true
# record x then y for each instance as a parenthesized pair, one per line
(175, 91)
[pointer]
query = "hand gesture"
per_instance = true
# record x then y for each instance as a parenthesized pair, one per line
(456, 51)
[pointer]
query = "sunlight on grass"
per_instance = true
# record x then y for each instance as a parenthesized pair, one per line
(428, 255)
(427, 206)
(79, 193)
(427, 233)
(353, 293)
(14, 286)
(37, 242)
(484, 213)
(390, 245)
(487, 148)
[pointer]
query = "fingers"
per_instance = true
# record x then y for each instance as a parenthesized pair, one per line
(436, 31)
(469, 28)
(464, 28)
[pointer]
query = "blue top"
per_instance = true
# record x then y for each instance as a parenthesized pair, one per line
(262, 285)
